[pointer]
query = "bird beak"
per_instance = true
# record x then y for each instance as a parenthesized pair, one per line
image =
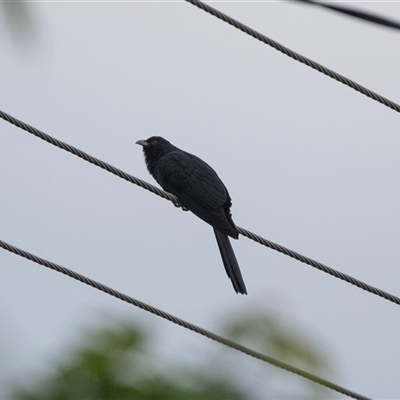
(142, 143)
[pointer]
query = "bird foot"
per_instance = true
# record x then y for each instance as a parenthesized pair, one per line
(179, 205)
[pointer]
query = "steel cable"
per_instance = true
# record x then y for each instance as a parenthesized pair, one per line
(180, 322)
(322, 267)
(88, 157)
(175, 201)
(352, 12)
(296, 56)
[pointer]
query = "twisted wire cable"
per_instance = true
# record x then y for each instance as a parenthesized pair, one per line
(363, 15)
(322, 267)
(296, 56)
(87, 157)
(116, 171)
(180, 322)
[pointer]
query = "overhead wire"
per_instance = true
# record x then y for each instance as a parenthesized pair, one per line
(181, 322)
(352, 12)
(145, 185)
(296, 56)
(242, 231)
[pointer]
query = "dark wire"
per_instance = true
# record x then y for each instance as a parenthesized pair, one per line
(320, 266)
(352, 12)
(180, 322)
(175, 201)
(296, 56)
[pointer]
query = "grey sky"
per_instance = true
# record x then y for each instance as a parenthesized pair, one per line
(309, 163)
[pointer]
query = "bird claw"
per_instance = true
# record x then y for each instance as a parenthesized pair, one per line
(179, 205)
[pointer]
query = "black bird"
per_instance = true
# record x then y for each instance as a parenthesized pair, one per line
(200, 190)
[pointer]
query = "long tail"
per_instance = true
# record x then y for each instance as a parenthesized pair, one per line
(230, 263)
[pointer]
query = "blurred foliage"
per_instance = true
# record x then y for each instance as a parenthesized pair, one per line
(114, 364)
(18, 20)
(117, 363)
(269, 334)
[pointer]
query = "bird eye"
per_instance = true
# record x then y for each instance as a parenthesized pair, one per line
(154, 142)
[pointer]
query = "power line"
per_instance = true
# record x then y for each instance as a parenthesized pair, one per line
(180, 322)
(363, 15)
(121, 174)
(322, 267)
(88, 157)
(296, 56)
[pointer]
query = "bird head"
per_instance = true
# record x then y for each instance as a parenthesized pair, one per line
(155, 146)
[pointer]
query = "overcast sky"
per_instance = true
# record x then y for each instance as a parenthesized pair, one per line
(309, 163)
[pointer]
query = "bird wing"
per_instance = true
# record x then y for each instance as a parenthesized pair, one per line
(187, 176)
